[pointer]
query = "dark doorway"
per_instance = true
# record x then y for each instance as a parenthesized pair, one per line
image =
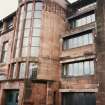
(11, 97)
(78, 99)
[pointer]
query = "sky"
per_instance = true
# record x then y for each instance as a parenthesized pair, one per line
(7, 7)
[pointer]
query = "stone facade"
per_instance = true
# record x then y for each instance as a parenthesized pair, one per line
(47, 83)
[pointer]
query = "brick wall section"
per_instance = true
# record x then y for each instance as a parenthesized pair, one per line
(100, 49)
(39, 94)
(53, 24)
(78, 52)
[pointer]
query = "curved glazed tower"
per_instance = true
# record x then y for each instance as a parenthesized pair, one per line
(36, 42)
(36, 48)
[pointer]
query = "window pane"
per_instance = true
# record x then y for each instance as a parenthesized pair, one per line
(86, 39)
(25, 42)
(26, 32)
(86, 68)
(90, 38)
(80, 69)
(75, 42)
(92, 67)
(38, 6)
(75, 69)
(32, 67)
(22, 70)
(89, 19)
(78, 22)
(14, 71)
(70, 70)
(37, 23)
(70, 43)
(28, 23)
(80, 41)
(83, 21)
(29, 7)
(24, 51)
(38, 14)
(93, 17)
(34, 51)
(36, 32)
(29, 15)
(35, 41)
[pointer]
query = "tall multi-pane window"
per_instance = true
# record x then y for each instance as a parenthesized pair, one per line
(22, 70)
(79, 68)
(83, 39)
(83, 21)
(32, 70)
(36, 29)
(4, 52)
(29, 30)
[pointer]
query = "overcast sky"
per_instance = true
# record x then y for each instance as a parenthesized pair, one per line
(7, 7)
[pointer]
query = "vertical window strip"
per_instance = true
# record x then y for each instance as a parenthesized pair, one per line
(27, 30)
(35, 41)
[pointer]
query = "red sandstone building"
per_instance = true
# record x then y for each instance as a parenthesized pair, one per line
(52, 52)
